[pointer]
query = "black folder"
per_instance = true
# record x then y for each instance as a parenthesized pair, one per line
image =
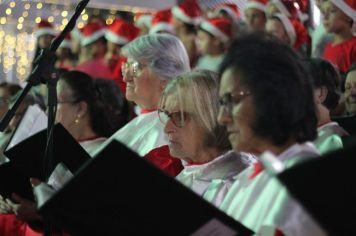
(26, 160)
(326, 187)
(120, 193)
(347, 122)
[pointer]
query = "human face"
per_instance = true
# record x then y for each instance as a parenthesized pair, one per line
(276, 28)
(44, 41)
(271, 9)
(68, 108)
(204, 42)
(186, 137)
(113, 48)
(350, 92)
(239, 117)
(255, 19)
(335, 20)
(142, 86)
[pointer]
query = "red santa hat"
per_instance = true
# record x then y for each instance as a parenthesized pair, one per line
(161, 20)
(92, 32)
(256, 4)
(291, 8)
(45, 28)
(121, 32)
(143, 19)
(66, 42)
(231, 9)
(296, 31)
(347, 6)
(188, 11)
(219, 27)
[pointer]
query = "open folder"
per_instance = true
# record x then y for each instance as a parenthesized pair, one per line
(27, 160)
(120, 193)
(326, 187)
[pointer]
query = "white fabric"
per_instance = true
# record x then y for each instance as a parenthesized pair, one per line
(210, 63)
(264, 202)
(142, 134)
(212, 180)
(329, 137)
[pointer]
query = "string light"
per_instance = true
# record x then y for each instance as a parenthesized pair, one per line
(39, 5)
(8, 11)
(12, 4)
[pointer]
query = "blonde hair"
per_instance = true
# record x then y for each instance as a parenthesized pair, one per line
(197, 93)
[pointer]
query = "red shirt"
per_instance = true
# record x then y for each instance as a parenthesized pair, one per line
(342, 55)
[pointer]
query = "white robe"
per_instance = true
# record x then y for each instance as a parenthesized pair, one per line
(142, 134)
(329, 137)
(264, 202)
(212, 180)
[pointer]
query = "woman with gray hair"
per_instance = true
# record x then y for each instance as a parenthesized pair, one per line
(196, 138)
(152, 61)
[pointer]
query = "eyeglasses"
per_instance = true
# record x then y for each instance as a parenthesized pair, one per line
(228, 100)
(178, 118)
(133, 69)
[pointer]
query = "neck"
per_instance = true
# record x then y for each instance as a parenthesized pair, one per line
(323, 115)
(342, 36)
(207, 155)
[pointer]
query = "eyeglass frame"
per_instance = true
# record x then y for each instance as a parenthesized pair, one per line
(175, 117)
(134, 66)
(229, 100)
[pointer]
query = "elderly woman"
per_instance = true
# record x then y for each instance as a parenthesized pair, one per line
(267, 106)
(90, 111)
(153, 60)
(326, 82)
(195, 136)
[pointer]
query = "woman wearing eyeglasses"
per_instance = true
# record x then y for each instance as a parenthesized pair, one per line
(188, 108)
(152, 61)
(90, 111)
(269, 106)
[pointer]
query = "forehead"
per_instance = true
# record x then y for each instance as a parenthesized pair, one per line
(253, 12)
(230, 81)
(351, 77)
(273, 24)
(63, 88)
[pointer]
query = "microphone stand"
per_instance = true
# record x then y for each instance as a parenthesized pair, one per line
(44, 72)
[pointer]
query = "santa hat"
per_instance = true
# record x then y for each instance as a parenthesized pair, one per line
(219, 27)
(45, 28)
(231, 9)
(66, 42)
(296, 31)
(256, 4)
(161, 20)
(92, 32)
(347, 6)
(121, 32)
(143, 19)
(188, 11)
(291, 8)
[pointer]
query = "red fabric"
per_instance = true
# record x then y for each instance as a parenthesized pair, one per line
(258, 168)
(31, 232)
(191, 163)
(341, 55)
(278, 233)
(145, 111)
(10, 225)
(161, 158)
(117, 74)
(96, 68)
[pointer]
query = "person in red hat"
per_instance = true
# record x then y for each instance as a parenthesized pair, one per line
(162, 22)
(118, 34)
(231, 12)
(255, 14)
(339, 19)
(93, 49)
(291, 8)
(186, 17)
(214, 36)
(288, 30)
(143, 22)
(65, 57)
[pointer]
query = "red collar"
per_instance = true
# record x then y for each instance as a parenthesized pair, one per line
(257, 168)
(88, 139)
(192, 163)
(144, 111)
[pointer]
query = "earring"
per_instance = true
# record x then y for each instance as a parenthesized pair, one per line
(76, 121)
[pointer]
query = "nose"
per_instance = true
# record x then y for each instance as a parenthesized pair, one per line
(223, 117)
(169, 127)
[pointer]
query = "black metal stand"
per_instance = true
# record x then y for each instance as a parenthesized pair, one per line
(44, 72)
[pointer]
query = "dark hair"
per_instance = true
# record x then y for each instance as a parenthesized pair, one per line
(103, 97)
(281, 89)
(323, 73)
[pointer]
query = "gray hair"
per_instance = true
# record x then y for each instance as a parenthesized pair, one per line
(164, 54)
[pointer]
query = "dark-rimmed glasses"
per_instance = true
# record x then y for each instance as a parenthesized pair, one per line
(228, 100)
(131, 68)
(178, 118)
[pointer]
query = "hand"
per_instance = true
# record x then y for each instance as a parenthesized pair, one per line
(25, 210)
(6, 206)
(35, 182)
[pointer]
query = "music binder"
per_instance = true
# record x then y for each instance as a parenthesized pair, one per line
(325, 187)
(26, 160)
(120, 193)
(347, 122)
